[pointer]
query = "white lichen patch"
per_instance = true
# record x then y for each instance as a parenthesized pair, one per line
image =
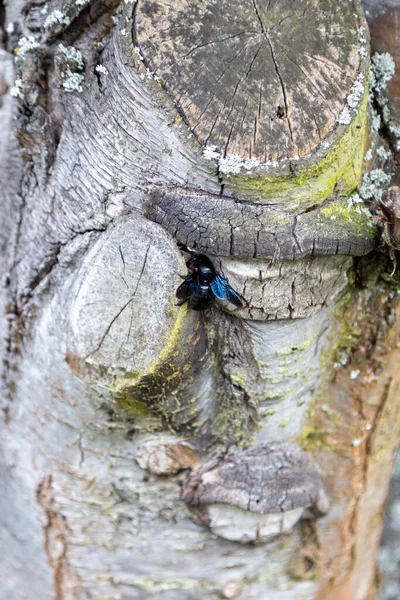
(383, 153)
(395, 131)
(136, 51)
(81, 2)
(353, 100)
(375, 123)
(102, 70)
(26, 45)
(345, 116)
(152, 75)
(71, 68)
(211, 153)
(362, 50)
(382, 71)
(57, 17)
(130, 1)
(232, 164)
(368, 155)
(357, 92)
(16, 90)
(356, 203)
(373, 184)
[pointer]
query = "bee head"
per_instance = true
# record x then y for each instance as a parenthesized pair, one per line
(201, 265)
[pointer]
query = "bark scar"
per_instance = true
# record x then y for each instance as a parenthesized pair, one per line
(66, 583)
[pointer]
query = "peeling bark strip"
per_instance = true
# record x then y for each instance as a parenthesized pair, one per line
(225, 227)
(265, 80)
(66, 584)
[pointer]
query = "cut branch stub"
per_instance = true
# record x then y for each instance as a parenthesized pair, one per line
(123, 325)
(264, 80)
(275, 482)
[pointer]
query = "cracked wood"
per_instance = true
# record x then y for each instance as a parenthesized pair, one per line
(223, 226)
(262, 80)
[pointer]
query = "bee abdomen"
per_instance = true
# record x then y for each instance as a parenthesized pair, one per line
(202, 298)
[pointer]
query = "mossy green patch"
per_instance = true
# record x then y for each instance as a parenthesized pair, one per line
(339, 171)
(313, 438)
(297, 347)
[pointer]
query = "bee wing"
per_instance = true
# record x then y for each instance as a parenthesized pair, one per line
(187, 288)
(223, 290)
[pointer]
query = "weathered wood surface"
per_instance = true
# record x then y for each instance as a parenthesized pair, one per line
(81, 516)
(222, 226)
(265, 80)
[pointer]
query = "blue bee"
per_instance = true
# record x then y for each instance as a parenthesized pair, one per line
(203, 283)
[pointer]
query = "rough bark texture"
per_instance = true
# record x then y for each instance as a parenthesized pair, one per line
(110, 391)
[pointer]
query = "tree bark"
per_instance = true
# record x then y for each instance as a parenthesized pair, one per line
(149, 450)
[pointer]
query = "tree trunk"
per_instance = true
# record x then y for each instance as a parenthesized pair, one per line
(150, 450)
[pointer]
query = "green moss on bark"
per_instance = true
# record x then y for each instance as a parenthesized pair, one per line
(339, 171)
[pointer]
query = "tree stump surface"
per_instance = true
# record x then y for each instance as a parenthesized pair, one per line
(265, 80)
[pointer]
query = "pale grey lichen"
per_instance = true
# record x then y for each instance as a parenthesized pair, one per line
(375, 123)
(395, 131)
(353, 100)
(152, 75)
(383, 153)
(345, 116)
(71, 68)
(382, 71)
(356, 203)
(211, 153)
(356, 93)
(26, 45)
(361, 35)
(57, 17)
(232, 164)
(354, 199)
(81, 2)
(136, 51)
(16, 90)
(101, 69)
(373, 184)
(368, 155)
(362, 51)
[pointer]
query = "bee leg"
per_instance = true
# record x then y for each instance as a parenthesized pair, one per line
(180, 302)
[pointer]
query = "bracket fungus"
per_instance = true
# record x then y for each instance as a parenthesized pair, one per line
(257, 494)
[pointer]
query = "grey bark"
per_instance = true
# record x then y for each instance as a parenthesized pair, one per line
(109, 391)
